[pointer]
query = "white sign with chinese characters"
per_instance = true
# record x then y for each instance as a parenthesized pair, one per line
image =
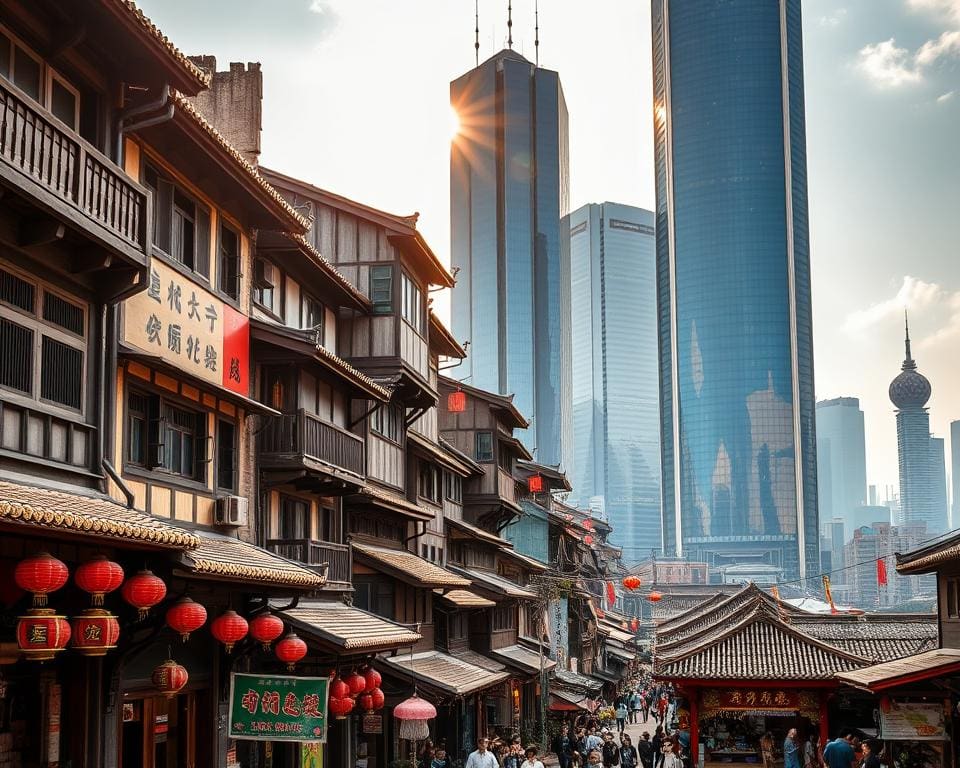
(187, 326)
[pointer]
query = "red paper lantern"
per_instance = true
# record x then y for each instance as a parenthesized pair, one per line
(41, 575)
(588, 540)
(365, 702)
(290, 650)
(654, 597)
(143, 591)
(535, 483)
(186, 616)
(624, 625)
(634, 624)
(457, 401)
(378, 698)
(41, 634)
(371, 678)
(631, 582)
(98, 577)
(588, 524)
(265, 628)
(94, 632)
(169, 678)
(356, 683)
(340, 707)
(339, 689)
(229, 628)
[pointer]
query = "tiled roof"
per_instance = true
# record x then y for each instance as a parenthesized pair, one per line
(530, 562)
(616, 633)
(577, 681)
(877, 640)
(479, 533)
(242, 561)
(498, 585)
(464, 598)
(672, 606)
(329, 268)
(202, 78)
(88, 515)
(374, 494)
(621, 653)
(349, 628)
(926, 558)
(576, 699)
(184, 104)
(449, 674)
(936, 663)
(523, 658)
(409, 567)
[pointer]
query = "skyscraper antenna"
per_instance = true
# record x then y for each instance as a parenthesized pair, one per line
(510, 24)
(536, 33)
(476, 31)
(906, 328)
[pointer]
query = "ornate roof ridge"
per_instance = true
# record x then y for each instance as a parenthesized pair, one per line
(202, 78)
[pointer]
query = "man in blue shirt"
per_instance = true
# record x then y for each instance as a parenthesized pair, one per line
(839, 752)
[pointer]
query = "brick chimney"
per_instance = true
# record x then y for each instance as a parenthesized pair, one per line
(233, 104)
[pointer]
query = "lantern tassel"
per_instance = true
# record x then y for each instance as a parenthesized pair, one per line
(97, 600)
(40, 600)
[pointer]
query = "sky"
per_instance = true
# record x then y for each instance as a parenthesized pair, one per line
(356, 100)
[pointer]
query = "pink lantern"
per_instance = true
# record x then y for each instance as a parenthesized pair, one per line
(413, 715)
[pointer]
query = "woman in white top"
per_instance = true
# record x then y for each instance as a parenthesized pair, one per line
(531, 761)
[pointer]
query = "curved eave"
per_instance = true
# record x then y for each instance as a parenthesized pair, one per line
(415, 247)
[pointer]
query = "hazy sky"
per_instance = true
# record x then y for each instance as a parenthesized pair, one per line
(356, 101)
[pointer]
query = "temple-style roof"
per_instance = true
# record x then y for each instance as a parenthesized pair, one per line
(927, 558)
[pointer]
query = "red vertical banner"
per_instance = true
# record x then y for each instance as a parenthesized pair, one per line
(235, 360)
(881, 572)
(611, 594)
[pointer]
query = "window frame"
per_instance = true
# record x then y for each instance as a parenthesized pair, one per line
(951, 598)
(275, 309)
(51, 75)
(306, 298)
(381, 306)
(385, 419)
(452, 487)
(287, 508)
(202, 222)
(428, 481)
(485, 458)
(221, 287)
(411, 303)
(233, 488)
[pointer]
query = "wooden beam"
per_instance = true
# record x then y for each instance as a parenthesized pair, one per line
(90, 259)
(40, 230)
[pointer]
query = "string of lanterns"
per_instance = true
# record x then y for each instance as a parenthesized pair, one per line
(355, 688)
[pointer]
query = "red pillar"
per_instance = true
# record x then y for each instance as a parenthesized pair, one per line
(824, 726)
(694, 725)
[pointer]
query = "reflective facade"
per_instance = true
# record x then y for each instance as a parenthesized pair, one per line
(736, 371)
(955, 473)
(509, 185)
(841, 462)
(616, 409)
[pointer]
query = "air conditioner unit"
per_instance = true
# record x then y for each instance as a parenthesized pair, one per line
(231, 511)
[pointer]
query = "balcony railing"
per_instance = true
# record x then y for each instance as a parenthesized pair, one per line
(301, 434)
(336, 557)
(70, 169)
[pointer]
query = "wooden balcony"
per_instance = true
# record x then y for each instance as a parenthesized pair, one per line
(331, 457)
(56, 170)
(322, 556)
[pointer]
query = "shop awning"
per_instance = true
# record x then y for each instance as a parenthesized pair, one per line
(616, 633)
(392, 502)
(576, 680)
(522, 658)
(464, 598)
(408, 567)
(451, 675)
(923, 666)
(497, 585)
(223, 557)
(347, 628)
(610, 677)
(528, 562)
(27, 507)
(567, 701)
(621, 653)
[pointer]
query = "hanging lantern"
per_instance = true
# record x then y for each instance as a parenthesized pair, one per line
(143, 591)
(229, 628)
(378, 698)
(186, 616)
(94, 632)
(98, 577)
(634, 624)
(265, 628)
(457, 401)
(41, 634)
(356, 683)
(631, 582)
(290, 650)
(588, 540)
(654, 597)
(41, 575)
(169, 678)
(372, 678)
(339, 689)
(413, 715)
(365, 702)
(611, 594)
(340, 707)
(535, 483)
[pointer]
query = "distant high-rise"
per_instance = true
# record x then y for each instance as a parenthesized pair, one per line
(955, 473)
(841, 458)
(509, 184)
(938, 472)
(736, 348)
(616, 409)
(920, 500)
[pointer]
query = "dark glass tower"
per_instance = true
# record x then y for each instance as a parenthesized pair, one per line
(736, 351)
(509, 184)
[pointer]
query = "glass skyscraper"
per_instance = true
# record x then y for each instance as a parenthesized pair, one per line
(841, 461)
(509, 183)
(736, 350)
(616, 409)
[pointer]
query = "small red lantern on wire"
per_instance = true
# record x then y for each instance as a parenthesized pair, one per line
(143, 591)
(588, 540)
(535, 483)
(229, 628)
(631, 582)
(265, 628)
(588, 524)
(41, 634)
(457, 401)
(340, 707)
(356, 683)
(169, 678)
(186, 616)
(98, 576)
(40, 575)
(290, 650)
(94, 632)
(654, 597)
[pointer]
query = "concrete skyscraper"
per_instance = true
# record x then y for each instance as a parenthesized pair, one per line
(921, 501)
(509, 184)
(955, 473)
(841, 459)
(616, 409)
(736, 348)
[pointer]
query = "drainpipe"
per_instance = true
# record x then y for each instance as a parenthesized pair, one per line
(124, 124)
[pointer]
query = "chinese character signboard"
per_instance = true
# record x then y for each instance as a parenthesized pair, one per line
(185, 325)
(756, 700)
(278, 707)
(912, 722)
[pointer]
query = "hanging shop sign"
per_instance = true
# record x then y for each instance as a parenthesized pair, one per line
(278, 707)
(901, 721)
(372, 723)
(186, 325)
(760, 700)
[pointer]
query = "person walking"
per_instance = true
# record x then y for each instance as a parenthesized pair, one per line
(657, 745)
(645, 705)
(482, 757)
(635, 707)
(629, 758)
(871, 753)
(791, 750)
(839, 752)
(645, 750)
(531, 761)
(610, 752)
(662, 709)
(810, 751)
(621, 715)
(563, 746)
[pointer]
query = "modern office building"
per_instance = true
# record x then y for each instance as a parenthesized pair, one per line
(938, 471)
(737, 402)
(841, 458)
(509, 184)
(920, 473)
(955, 473)
(615, 386)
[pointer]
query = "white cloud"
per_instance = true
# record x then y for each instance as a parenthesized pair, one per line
(943, 98)
(948, 44)
(948, 8)
(834, 19)
(887, 65)
(913, 294)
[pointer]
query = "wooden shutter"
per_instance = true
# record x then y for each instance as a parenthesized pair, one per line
(156, 432)
(201, 262)
(164, 214)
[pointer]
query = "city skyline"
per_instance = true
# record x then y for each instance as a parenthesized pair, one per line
(867, 88)
(841, 459)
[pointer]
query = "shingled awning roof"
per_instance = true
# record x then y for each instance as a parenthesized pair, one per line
(450, 675)
(937, 663)
(237, 560)
(464, 598)
(927, 558)
(523, 658)
(348, 628)
(878, 637)
(496, 585)
(408, 567)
